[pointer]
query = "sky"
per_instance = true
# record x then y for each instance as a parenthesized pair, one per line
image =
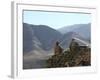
(55, 20)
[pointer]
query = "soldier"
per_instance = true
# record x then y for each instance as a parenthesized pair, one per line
(74, 46)
(57, 49)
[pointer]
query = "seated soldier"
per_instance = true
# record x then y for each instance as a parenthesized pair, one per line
(57, 49)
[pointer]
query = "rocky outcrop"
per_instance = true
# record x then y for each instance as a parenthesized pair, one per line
(74, 56)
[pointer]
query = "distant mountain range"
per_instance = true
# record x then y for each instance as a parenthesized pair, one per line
(82, 29)
(44, 37)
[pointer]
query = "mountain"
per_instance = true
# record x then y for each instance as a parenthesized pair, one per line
(40, 36)
(46, 35)
(30, 41)
(67, 38)
(83, 29)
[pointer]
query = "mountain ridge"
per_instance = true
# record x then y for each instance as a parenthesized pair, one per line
(45, 37)
(78, 28)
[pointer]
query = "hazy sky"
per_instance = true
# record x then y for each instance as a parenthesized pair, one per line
(55, 20)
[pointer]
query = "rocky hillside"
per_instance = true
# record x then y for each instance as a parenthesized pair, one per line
(80, 56)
